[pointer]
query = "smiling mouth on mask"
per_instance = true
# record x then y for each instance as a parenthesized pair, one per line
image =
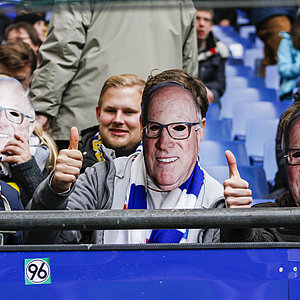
(167, 160)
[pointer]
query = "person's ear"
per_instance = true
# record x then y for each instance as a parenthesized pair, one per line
(200, 132)
(98, 113)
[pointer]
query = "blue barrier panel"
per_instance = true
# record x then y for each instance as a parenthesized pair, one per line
(149, 274)
(293, 270)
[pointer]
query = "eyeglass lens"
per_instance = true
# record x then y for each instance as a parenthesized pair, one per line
(294, 156)
(13, 115)
(176, 131)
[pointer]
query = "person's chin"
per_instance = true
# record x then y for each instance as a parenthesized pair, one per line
(167, 183)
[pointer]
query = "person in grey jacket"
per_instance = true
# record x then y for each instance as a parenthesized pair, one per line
(88, 42)
(165, 175)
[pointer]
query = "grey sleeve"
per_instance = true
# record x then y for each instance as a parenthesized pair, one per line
(60, 56)
(83, 195)
(189, 47)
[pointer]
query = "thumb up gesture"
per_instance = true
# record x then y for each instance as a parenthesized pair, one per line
(236, 190)
(68, 164)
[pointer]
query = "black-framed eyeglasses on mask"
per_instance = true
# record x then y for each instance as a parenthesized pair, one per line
(177, 130)
(15, 116)
(293, 157)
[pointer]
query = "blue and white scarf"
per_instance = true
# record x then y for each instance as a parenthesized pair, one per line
(138, 196)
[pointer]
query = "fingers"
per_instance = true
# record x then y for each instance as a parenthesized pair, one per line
(233, 170)
(236, 190)
(237, 194)
(67, 168)
(16, 150)
(74, 139)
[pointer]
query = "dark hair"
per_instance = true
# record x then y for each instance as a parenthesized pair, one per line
(295, 33)
(31, 18)
(194, 85)
(16, 55)
(28, 27)
(202, 7)
(287, 120)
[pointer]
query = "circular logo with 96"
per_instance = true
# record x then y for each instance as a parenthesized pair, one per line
(37, 271)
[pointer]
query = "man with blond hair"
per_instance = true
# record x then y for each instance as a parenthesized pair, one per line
(118, 114)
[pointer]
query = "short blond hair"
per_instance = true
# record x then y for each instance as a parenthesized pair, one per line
(122, 81)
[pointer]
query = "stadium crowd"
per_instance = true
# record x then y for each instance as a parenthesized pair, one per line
(110, 108)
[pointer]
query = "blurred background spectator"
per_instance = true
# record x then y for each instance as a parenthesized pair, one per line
(269, 22)
(17, 60)
(24, 32)
(36, 20)
(289, 60)
(212, 55)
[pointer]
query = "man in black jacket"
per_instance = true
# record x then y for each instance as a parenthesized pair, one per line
(118, 114)
(212, 55)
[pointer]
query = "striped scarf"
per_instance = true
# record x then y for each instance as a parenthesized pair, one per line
(183, 197)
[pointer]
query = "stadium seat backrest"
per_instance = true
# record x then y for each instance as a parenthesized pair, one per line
(270, 164)
(232, 96)
(212, 153)
(217, 130)
(254, 175)
(244, 111)
(258, 131)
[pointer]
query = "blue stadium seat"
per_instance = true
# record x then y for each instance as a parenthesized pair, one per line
(246, 30)
(254, 175)
(272, 78)
(258, 131)
(251, 55)
(212, 153)
(243, 82)
(213, 112)
(244, 111)
(217, 130)
(270, 163)
(238, 94)
(236, 70)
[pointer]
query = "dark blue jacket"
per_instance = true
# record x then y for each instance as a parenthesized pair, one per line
(15, 203)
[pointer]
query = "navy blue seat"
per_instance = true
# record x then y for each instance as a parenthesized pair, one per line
(212, 153)
(270, 163)
(232, 70)
(254, 175)
(244, 111)
(247, 94)
(217, 130)
(213, 112)
(258, 131)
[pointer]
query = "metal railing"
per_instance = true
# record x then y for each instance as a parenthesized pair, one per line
(150, 219)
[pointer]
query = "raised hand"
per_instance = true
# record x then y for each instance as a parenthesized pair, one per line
(16, 151)
(236, 190)
(68, 164)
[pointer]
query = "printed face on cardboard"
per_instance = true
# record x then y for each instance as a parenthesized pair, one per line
(15, 112)
(170, 162)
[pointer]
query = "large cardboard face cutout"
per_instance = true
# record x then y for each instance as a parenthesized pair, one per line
(16, 113)
(170, 161)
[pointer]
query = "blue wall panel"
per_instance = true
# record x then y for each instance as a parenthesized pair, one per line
(156, 274)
